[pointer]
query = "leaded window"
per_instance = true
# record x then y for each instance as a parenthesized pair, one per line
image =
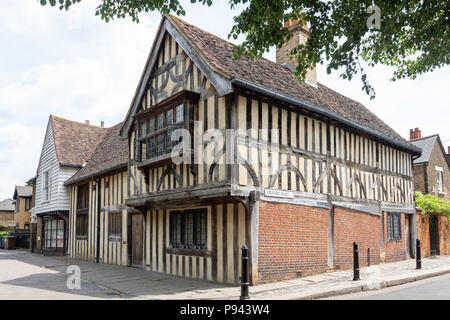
(394, 226)
(188, 229)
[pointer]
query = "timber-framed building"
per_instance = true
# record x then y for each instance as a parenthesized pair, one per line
(297, 172)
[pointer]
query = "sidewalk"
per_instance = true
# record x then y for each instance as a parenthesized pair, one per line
(333, 284)
(26, 275)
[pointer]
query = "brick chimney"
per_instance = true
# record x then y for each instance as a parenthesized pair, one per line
(301, 33)
(415, 134)
(448, 151)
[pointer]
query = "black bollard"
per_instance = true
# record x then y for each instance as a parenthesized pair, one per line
(418, 255)
(368, 257)
(244, 276)
(355, 262)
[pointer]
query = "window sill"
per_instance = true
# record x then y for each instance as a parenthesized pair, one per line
(81, 237)
(189, 252)
(394, 240)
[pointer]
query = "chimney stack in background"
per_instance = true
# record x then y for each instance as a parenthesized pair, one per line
(102, 124)
(300, 35)
(415, 134)
(448, 151)
(87, 121)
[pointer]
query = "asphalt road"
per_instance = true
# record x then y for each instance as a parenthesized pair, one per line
(437, 288)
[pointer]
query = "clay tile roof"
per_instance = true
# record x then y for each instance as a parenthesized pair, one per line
(75, 141)
(218, 53)
(23, 191)
(110, 154)
(7, 205)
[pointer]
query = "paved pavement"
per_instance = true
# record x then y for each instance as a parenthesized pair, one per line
(25, 275)
(436, 288)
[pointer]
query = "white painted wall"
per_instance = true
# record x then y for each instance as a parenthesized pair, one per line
(59, 194)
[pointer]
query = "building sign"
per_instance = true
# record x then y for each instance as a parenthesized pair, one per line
(278, 193)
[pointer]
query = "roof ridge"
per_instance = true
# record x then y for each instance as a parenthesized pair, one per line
(54, 117)
(427, 137)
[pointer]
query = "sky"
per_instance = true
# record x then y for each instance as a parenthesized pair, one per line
(74, 65)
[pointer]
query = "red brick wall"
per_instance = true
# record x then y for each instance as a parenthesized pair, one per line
(6, 218)
(291, 239)
(423, 232)
(444, 235)
(395, 250)
(353, 226)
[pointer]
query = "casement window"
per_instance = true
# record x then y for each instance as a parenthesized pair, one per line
(114, 225)
(46, 186)
(394, 224)
(156, 125)
(157, 140)
(18, 204)
(439, 179)
(188, 229)
(82, 210)
(27, 204)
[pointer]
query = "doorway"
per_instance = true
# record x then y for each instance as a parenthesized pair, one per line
(137, 243)
(434, 248)
(54, 236)
(408, 236)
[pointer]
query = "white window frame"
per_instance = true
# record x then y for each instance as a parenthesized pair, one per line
(46, 189)
(440, 180)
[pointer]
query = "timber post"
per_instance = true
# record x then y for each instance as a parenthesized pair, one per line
(244, 275)
(368, 257)
(355, 262)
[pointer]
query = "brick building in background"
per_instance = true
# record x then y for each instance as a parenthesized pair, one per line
(432, 176)
(22, 215)
(7, 213)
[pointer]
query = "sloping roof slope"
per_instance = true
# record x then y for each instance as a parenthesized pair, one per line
(218, 53)
(23, 191)
(74, 141)
(111, 153)
(7, 205)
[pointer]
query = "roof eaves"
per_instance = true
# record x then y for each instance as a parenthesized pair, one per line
(282, 97)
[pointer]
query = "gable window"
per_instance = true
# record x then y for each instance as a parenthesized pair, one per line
(114, 225)
(27, 204)
(18, 204)
(46, 186)
(394, 226)
(188, 229)
(82, 210)
(439, 179)
(156, 125)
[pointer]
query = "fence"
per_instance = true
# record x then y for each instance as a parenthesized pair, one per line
(22, 240)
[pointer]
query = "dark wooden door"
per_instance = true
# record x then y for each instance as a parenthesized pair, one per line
(137, 243)
(434, 250)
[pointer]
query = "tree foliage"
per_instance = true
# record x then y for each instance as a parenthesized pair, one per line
(412, 36)
(432, 204)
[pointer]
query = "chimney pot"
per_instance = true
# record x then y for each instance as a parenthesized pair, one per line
(418, 133)
(102, 124)
(411, 134)
(87, 121)
(448, 151)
